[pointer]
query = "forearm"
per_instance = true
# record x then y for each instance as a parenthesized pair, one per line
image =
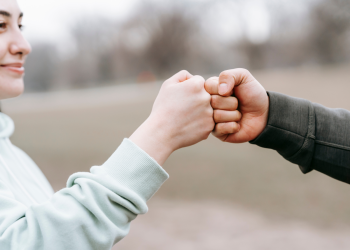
(310, 135)
(152, 139)
(93, 212)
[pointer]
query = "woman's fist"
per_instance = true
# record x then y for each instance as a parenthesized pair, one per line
(181, 116)
(182, 110)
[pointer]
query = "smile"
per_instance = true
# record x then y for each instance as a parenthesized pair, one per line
(14, 67)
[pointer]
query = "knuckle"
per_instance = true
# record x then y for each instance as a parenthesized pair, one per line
(198, 83)
(215, 101)
(235, 115)
(225, 73)
(184, 71)
(217, 115)
(222, 128)
(230, 128)
(234, 127)
(210, 79)
(193, 88)
(227, 128)
(234, 103)
(217, 133)
(166, 82)
(243, 71)
(207, 97)
(207, 129)
(200, 78)
(211, 85)
(203, 96)
(209, 113)
(212, 125)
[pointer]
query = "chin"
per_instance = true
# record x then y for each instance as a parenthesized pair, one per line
(11, 88)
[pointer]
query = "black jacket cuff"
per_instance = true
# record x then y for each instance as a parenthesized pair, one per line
(290, 129)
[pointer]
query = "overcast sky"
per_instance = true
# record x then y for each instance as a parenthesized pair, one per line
(50, 20)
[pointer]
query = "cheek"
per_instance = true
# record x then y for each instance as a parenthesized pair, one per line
(10, 87)
(3, 50)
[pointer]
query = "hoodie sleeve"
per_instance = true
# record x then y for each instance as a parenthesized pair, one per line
(93, 212)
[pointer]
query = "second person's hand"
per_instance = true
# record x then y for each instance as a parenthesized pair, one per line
(253, 103)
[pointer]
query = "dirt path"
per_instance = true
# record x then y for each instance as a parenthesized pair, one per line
(209, 225)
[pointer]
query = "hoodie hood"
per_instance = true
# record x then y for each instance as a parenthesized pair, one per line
(6, 126)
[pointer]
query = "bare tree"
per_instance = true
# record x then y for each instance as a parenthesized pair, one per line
(168, 38)
(330, 21)
(40, 67)
(159, 39)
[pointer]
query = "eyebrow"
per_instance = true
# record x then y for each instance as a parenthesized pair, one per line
(7, 14)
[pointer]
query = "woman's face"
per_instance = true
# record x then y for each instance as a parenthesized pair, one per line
(13, 50)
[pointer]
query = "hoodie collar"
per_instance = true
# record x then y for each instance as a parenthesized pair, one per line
(6, 126)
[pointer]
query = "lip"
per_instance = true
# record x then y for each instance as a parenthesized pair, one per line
(14, 67)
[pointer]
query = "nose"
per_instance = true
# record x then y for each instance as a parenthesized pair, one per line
(19, 45)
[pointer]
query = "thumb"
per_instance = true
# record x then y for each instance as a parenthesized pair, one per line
(228, 79)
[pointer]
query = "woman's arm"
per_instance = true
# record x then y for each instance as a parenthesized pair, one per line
(93, 212)
(96, 208)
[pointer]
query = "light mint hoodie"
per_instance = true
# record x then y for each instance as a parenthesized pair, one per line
(93, 212)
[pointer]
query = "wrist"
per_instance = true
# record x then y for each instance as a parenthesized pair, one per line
(266, 114)
(264, 118)
(151, 138)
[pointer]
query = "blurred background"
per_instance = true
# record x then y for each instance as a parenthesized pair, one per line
(105, 60)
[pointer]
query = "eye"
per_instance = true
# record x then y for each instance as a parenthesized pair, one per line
(3, 26)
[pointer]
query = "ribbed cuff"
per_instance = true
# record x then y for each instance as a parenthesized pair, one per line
(131, 166)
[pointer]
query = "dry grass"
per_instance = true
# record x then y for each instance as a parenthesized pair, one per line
(70, 132)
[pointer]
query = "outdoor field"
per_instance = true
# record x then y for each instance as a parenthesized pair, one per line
(219, 195)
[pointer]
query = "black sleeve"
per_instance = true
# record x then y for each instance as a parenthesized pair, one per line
(308, 134)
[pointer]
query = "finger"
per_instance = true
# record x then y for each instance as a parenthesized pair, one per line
(224, 103)
(196, 83)
(221, 116)
(227, 128)
(211, 85)
(181, 76)
(230, 78)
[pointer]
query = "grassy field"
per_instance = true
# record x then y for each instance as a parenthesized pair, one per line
(72, 131)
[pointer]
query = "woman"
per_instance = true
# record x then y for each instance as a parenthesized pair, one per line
(96, 208)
